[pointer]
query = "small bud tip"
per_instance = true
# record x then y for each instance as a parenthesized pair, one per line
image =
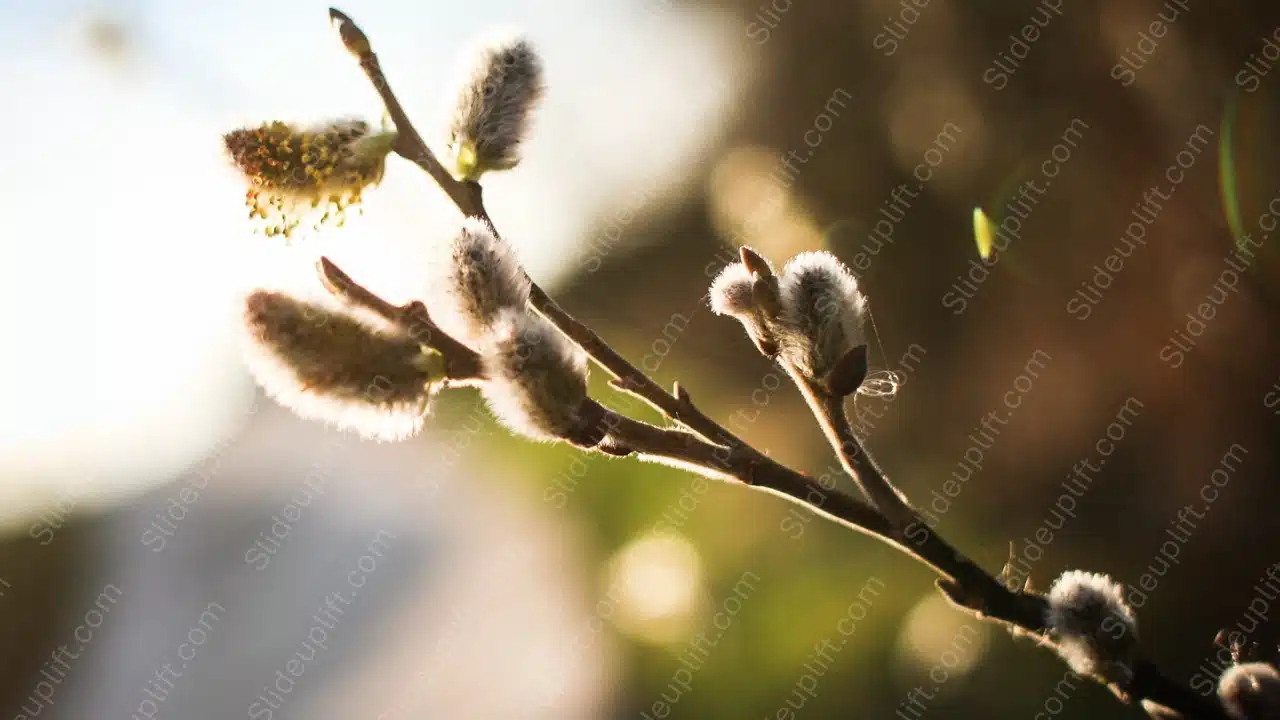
(465, 165)
(353, 38)
(755, 262)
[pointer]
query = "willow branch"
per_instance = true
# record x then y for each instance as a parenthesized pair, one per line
(966, 584)
(741, 462)
(829, 411)
(763, 473)
(718, 453)
(408, 144)
(468, 197)
(462, 364)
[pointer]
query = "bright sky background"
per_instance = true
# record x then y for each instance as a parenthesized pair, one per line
(122, 233)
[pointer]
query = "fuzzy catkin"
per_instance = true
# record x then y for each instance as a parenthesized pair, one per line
(479, 278)
(822, 313)
(494, 105)
(302, 175)
(330, 366)
(733, 293)
(1251, 691)
(1095, 628)
(536, 378)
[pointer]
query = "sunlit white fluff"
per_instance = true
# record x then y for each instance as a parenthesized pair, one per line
(536, 377)
(331, 366)
(494, 104)
(1094, 627)
(477, 278)
(822, 313)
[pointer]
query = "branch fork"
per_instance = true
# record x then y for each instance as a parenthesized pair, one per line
(697, 442)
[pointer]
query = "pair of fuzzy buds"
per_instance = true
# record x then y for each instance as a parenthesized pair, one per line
(1094, 628)
(370, 376)
(535, 377)
(810, 316)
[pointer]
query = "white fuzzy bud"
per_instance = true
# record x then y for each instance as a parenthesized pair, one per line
(494, 105)
(1251, 691)
(731, 292)
(822, 313)
(1094, 627)
(749, 294)
(330, 366)
(479, 279)
(536, 378)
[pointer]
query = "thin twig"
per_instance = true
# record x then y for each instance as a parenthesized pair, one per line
(462, 364)
(718, 462)
(408, 143)
(746, 466)
(829, 411)
(972, 587)
(742, 463)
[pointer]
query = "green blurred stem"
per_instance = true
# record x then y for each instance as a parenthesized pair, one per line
(720, 454)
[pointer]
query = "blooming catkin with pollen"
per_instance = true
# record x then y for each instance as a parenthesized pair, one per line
(330, 366)
(822, 313)
(1095, 628)
(479, 278)
(306, 175)
(1251, 691)
(536, 378)
(494, 104)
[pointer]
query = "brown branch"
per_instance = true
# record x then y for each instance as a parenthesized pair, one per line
(408, 143)
(462, 364)
(763, 473)
(828, 408)
(968, 585)
(741, 462)
(469, 199)
(718, 452)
